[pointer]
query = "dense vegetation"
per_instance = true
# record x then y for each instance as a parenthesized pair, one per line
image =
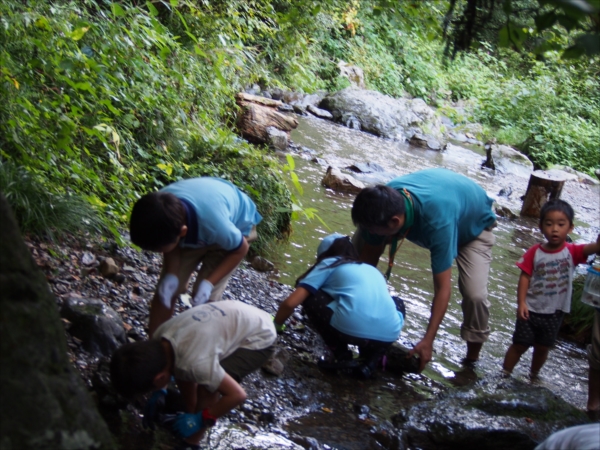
(105, 101)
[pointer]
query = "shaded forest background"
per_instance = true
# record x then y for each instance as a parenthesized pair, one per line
(102, 101)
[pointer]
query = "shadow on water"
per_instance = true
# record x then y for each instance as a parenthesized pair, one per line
(565, 373)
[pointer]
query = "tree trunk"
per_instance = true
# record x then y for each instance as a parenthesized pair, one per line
(543, 186)
(255, 119)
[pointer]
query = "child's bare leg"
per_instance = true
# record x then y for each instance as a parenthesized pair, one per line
(513, 355)
(540, 354)
(593, 403)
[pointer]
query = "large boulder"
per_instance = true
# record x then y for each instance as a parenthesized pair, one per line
(45, 404)
(382, 115)
(505, 159)
(495, 414)
(96, 324)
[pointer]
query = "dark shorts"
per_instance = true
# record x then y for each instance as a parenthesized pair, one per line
(243, 361)
(540, 329)
(319, 314)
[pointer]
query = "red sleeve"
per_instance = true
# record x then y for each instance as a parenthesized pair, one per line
(576, 251)
(525, 263)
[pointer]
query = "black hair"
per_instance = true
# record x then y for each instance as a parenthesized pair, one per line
(557, 204)
(134, 366)
(156, 220)
(376, 205)
(343, 248)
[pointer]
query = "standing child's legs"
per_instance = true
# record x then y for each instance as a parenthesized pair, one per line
(540, 354)
(513, 355)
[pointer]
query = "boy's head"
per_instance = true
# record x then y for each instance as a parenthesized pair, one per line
(157, 221)
(556, 221)
(557, 205)
(379, 209)
(139, 367)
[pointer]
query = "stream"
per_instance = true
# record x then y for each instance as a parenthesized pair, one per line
(565, 372)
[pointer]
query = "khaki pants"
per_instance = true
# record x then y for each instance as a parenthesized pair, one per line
(473, 261)
(210, 257)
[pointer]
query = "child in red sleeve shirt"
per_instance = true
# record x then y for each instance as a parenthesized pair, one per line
(545, 286)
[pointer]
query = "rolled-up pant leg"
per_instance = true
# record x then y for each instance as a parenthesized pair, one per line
(473, 261)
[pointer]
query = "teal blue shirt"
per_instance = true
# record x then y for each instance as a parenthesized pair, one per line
(218, 212)
(450, 211)
(362, 306)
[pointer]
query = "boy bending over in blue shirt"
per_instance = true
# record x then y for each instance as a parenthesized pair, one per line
(200, 220)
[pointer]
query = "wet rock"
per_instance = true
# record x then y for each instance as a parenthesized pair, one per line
(262, 264)
(108, 267)
(380, 114)
(292, 97)
(97, 325)
(235, 438)
(574, 175)
(505, 192)
(299, 109)
(505, 211)
(321, 113)
(87, 259)
(504, 159)
(388, 437)
(308, 443)
(354, 74)
(494, 414)
(421, 140)
(276, 138)
(285, 108)
(397, 361)
(368, 167)
(276, 363)
(336, 180)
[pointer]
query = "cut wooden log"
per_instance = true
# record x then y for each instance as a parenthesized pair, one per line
(254, 120)
(243, 97)
(543, 186)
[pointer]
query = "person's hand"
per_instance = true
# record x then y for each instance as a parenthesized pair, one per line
(278, 327)
(166, 289)
(203, 294)
(424, 349)
(522, 312)
(156, 401)
(187, 424)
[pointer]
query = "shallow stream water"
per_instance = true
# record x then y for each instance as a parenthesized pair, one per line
(565, 373)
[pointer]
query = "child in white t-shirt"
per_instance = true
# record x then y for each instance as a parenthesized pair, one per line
(545, 286)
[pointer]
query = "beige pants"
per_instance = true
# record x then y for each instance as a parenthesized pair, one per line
(473, 261)
(210, 257)
(594, 347)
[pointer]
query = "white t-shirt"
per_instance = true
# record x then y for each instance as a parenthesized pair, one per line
(203, 336)
(551, 274)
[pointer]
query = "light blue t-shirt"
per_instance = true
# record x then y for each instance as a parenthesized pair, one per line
(223, 214)
(450, 211)
(362, 305)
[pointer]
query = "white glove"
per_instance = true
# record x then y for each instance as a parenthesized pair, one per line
(167, 288)
(203, 293)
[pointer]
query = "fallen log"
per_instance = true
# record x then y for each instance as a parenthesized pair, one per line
(254, 119)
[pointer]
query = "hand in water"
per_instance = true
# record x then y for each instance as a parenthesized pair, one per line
(424, 349)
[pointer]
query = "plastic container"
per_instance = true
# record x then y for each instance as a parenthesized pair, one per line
(591, 288)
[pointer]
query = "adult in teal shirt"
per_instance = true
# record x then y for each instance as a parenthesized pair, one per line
(206, 221)
(451, 216)
(348, 303)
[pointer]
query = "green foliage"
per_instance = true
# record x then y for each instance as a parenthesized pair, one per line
(581, 317)
(109, 103)
(41, 212)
